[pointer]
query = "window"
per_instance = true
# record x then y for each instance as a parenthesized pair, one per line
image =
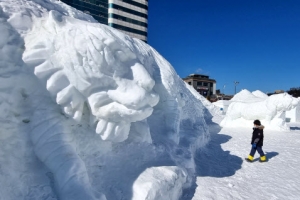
(130, 11)
(205, 84)
(116, 16)
(199, 83)
(132, 30)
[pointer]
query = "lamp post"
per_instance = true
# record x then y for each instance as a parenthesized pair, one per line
(235, 84)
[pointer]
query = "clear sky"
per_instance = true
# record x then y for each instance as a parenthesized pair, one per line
(255, 42)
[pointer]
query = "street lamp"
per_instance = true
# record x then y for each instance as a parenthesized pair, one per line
(235, 84)
(223, 92)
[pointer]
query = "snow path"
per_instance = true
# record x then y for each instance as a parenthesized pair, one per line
(223, 174)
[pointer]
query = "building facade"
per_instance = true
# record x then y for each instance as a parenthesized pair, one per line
(202, 83)
(128, 16)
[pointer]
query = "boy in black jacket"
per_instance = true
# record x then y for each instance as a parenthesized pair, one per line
(257, 142)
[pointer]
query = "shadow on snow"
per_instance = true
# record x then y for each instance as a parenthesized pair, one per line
(212, 160)
(269, 155)
(295, 128)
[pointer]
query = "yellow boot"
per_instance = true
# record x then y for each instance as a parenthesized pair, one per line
(263, 159)
(250, 158)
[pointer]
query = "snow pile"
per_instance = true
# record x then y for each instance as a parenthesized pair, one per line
(247, 96)
(246, 107)
(88, 112)
(211, 108)
(243, 96)
(260, 94)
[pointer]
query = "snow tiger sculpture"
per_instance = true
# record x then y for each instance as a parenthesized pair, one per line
(93, 70)
(52, 61)
(271, 111)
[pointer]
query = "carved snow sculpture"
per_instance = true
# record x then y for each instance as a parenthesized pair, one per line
(260, 94)
(165, 178)
(48, 135)
(54, 148)
(51, 57)
(212, 109)
(293, 115)
(246, 96)
(271, 111)
(102, 72)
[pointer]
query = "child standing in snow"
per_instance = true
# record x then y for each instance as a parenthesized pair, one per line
(257, 142)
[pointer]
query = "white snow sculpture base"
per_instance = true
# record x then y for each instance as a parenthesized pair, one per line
(159, 183)
(246, 107)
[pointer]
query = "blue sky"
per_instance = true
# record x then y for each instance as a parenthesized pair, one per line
(255, 42)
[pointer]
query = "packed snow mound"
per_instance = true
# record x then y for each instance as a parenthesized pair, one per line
(246, 96)
(65, 80)
(270, 111)
(260, 94)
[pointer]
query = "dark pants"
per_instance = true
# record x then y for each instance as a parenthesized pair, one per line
(259, 149)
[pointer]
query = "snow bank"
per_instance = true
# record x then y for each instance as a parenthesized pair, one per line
(246, 107)
(88, 112)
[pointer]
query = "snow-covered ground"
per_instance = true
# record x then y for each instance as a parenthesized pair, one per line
(223, 174)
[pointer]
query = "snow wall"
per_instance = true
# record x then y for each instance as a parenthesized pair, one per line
(87, 112)
(247, 106)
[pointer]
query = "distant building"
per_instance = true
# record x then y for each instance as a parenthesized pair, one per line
(279, 91)
(128, 16)
(202, 83)
(275, 92)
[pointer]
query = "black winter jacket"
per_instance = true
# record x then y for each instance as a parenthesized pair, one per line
(258, 136)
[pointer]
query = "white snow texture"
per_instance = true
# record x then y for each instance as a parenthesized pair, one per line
(247, 107)
(87, 112)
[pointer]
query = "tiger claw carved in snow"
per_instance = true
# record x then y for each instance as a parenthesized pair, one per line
(88, 68)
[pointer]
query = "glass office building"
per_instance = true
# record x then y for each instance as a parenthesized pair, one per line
(128, 16)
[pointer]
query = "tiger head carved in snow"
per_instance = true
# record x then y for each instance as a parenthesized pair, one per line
(88, 64)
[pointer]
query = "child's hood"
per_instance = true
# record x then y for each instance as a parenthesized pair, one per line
(261, 127)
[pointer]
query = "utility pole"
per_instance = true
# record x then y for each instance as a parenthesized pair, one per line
(235, 84)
